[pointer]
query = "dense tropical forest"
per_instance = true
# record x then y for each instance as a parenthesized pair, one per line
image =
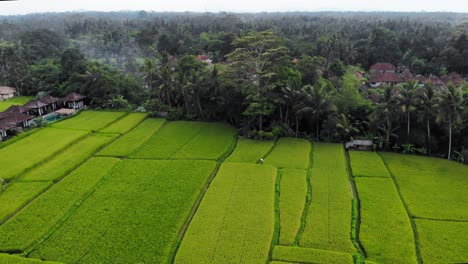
(269, 74)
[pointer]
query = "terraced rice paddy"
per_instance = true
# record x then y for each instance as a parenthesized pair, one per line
(17, 100)
(114, 187)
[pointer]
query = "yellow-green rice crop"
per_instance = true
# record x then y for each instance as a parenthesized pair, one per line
(385, 231)
(293, 194)
(18, 100)
(134, 217)
(134, 139)
(250, 151)
(17, 194)
(30, 151)
(13, 259)
(367, 164)
(235, 220)
(169, 139)
(290, 153)
(214, 140)
(328, 222)
(36, 219)
(310, 255)
(432, 188)
(443, 241)
(125, 124)
(90, 120)
(68, 159)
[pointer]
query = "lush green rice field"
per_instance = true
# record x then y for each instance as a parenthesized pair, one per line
(18, 100)
(290, 153)
(250, 151)
(235, 220)
(90, 120)
(432, 188)
(131, 141)
(328, 222)
(112, 187)
(30, 151)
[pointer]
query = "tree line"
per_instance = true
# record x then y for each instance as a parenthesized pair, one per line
(147, 60)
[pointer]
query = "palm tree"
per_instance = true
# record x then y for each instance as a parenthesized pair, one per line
(428, 104)
(316, 101)
(386, 111)
(165, 78)
(407, 99)
(450, 104)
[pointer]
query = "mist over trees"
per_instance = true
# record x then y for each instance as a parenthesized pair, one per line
(272, 74)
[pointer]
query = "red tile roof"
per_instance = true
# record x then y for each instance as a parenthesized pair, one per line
(406, 75)
(420, 78)
(295, 60)
(434, 80)
(383, 66)
(73, 97)
(453, 77)
(203, 57)
(387, 77)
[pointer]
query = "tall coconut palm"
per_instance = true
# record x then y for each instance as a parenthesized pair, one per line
(165, 79)
(386, 110)
(407, 97)
(450, 105)
(428, 104)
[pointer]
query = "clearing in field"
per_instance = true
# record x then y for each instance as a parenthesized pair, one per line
(328, 222)
(432, 188)
(131, 141)
(443, 241)
(250, 151)
(90, 120)
(235, 220)
(290, 153)
(292, 199)
(18, 100)
(125, 124)
(34, 149)
(40, 216)
(134, 217)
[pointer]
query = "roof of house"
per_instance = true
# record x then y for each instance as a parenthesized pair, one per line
(7, 90)
(420, 78)
(452, 77)
(203, 57)
(15, 118)
(383, 66)
(434, 80)
(295, 60)
(73, 97)
(16, 109)
(406, 75)
(49, 99)
(35, 104)
(378, 77)
(65, 111)
(6, 125)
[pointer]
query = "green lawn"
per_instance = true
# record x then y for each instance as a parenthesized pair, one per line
(292, 199)
(131, 141)
(250, 151)
(235, 220)
(18, 100)
(432, 188)
(34, 149)
(290, 153)
(132, 218)
(90, 120)
(328, 223)
(29, 225)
